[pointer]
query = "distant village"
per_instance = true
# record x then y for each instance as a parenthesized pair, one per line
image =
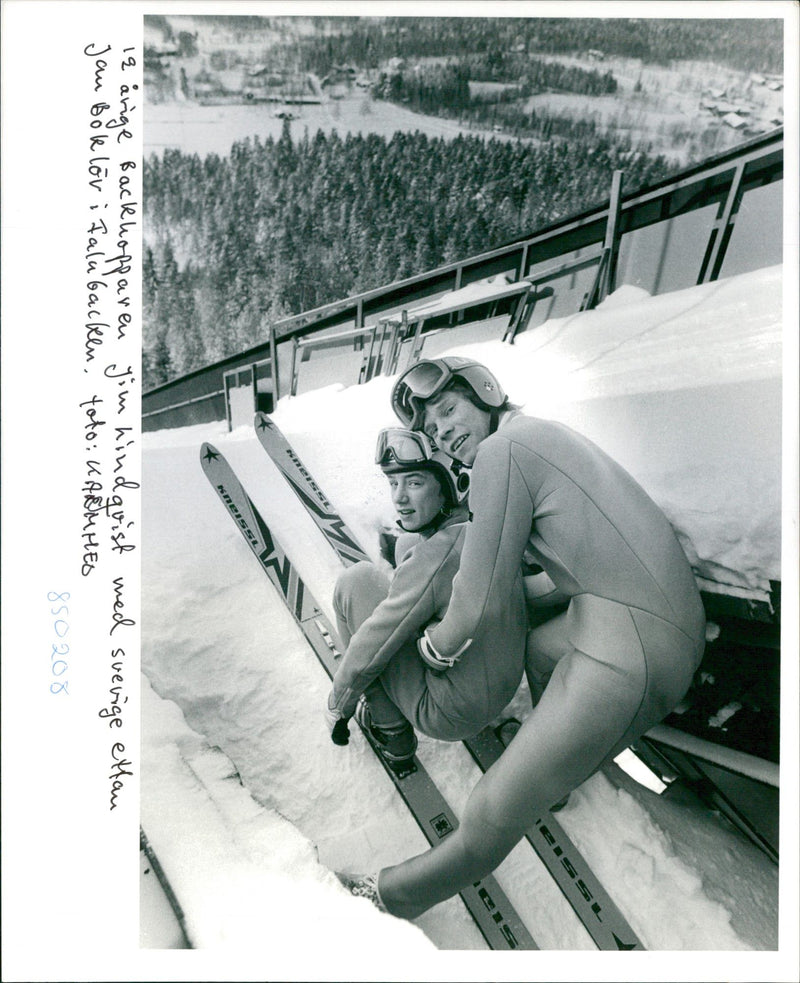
(220, 78)
(743, 113)
(739, 112)
(218, 83)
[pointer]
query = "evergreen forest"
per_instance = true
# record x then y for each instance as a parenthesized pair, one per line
(748, 44)
(283, 226)
(444, 89)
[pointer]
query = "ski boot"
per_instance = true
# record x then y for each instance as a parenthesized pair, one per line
(397, 744)
(363, 886)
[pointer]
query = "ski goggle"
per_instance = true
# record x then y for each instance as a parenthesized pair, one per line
(399, 450)
(418, 384)
(403, 447)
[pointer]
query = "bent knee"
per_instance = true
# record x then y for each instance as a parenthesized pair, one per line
(442, 723)
(548, 642)
(361, 580)
(354, 578)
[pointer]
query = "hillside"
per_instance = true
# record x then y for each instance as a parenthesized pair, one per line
(284, 226)
(665, 86)
(291, 162)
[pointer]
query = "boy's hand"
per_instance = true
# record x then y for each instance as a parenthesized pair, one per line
(337, 725)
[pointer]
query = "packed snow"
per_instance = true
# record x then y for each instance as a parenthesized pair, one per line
(245, 799)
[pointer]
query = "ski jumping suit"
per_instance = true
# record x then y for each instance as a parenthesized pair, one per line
(379, 621)
(612, 665)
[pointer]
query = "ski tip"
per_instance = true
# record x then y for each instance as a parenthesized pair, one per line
(208, 453)
(262, 421)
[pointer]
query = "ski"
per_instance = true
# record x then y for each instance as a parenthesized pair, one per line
(491, 910)
(308, 491)
(590, 901)
(600, 916)
(150, 863)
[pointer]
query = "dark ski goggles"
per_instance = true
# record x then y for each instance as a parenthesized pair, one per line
(415, 386)
(404, 447)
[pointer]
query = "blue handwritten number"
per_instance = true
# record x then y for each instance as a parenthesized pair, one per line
(58, 666)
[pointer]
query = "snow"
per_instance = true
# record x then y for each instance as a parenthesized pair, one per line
(678, 389)
(251, 855)
(681, 389)
(482, 291)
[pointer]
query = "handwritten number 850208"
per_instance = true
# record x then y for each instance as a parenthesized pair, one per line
(57, 664)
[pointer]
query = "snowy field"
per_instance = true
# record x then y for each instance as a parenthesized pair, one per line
(192, 128)
(682, 389)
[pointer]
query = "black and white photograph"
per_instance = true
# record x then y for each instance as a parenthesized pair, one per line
(412, 438)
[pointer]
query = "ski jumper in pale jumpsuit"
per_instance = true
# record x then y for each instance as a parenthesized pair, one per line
(379, 621)
(612, 665)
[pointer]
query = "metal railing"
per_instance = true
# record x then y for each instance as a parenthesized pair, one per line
(679, 232)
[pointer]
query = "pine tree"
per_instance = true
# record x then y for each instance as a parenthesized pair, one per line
(285, 225)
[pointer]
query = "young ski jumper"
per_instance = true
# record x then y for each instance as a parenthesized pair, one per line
(380, 620)
(612, 665)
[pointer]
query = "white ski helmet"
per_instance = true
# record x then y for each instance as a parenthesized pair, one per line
(399, 450)
(428, 377)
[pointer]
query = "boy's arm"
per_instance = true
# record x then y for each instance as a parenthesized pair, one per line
(409, 606)
(502, 514)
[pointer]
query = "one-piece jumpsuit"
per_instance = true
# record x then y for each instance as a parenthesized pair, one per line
(379, 621)
(612, 665)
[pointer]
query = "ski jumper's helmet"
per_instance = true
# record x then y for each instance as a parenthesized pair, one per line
(429, 377)
(399, 450)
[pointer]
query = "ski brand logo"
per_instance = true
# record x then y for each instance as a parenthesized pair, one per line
(264, 423)
(308, 491)
(497, 915)
(300, 467)
(240, 519)
(266, 552)
(586, 894)
(334, 525)
(441, 825)
(567, 864)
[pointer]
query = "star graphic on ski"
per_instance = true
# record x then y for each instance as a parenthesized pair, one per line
(264, 422)
(210, 454)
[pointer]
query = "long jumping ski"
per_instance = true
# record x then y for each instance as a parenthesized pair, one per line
(308, 491)
(491, 910)
(150, 863)
(600, 916)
